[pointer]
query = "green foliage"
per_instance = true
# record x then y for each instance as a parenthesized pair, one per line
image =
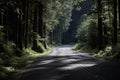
(5, 71)
(82, 31)
(77, 46)
(8, 69)
(111, 51)
(84, 48)
(87, 33)
(40, 42)
(58, 13)
(29, 51)
(87, 48)
(8, 55)
(92, 34)
(78, 8)
(107, 52)
(41, 47)
(6, 49)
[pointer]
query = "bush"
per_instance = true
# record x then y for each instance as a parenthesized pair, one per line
(92, 35)
(78, 46)
(41, 47)
(5, 71)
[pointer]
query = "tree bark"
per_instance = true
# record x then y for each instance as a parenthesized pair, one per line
(20, 34)
(35, 30)
(119, 12)
(100, 27)
(115, 23)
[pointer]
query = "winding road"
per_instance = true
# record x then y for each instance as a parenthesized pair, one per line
(65, 64)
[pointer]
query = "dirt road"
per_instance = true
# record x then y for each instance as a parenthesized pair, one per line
(65, 64)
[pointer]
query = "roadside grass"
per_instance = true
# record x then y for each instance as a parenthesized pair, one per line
(83, 48)
(20, 63)
(107, 53)
(31, 56)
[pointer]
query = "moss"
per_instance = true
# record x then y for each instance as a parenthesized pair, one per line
(29, 51)
(5, 71)
(77, 46)
(8, 69)
(41, 47)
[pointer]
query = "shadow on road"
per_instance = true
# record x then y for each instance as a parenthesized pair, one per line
(71, 67)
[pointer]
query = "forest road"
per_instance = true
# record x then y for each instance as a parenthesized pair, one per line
(65, 64)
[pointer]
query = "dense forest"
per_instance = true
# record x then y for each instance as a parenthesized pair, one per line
(99, 30)
(34, 26)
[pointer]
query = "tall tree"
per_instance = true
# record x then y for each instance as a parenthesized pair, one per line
(115, 22)
(119, 12)
(100, 27)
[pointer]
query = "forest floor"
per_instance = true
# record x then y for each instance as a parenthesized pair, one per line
(63, 63)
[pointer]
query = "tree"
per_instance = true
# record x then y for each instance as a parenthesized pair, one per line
(100, 27)
(114, 37)
(115, 23)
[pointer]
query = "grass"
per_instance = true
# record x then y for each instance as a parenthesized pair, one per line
(20, 63)
(31, 56)
(108, 54)
(83, 48)
(76, 46)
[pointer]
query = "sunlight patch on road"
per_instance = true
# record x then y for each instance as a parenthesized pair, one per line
(65, 48)
(47, 62)
(69, 60)
(34, 69)
(75, 66)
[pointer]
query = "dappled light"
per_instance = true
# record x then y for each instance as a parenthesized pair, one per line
(70, 67)
(47, 62)
(75, 66)
(59, 39)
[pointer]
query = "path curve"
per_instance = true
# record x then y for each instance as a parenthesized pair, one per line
(65, 64)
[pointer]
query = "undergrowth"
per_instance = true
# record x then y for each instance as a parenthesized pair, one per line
(108, 53)
(83, 48)
(12, 58)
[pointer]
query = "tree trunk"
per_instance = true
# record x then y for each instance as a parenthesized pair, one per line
(100, 28)
(35, 30)
(115, 23)
(27, 28)
(20, 35)
(1, 18)
(41, 32)
(119, 12)
(105, 35)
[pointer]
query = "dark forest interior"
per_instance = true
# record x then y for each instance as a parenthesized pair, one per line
(41, 30)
